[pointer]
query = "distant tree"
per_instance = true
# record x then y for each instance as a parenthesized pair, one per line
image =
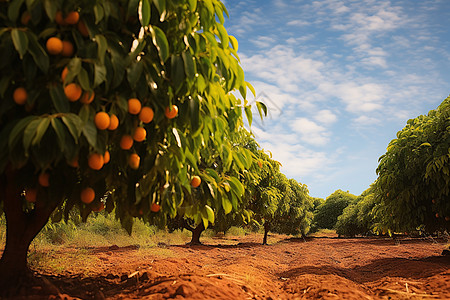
(317, 202)
(294, 214)
(281, 205)
(358, 218)
(413, 184)
(327, 213)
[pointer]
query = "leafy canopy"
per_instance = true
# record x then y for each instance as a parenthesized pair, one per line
(414, 174)
(162, 53)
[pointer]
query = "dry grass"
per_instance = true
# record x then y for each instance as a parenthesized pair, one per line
(63, 244)
(324, 233)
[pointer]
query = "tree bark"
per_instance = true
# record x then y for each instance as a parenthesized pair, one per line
(266, 231)
(196, 233)
(21, 229)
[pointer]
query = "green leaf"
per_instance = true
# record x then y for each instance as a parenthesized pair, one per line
(234, 42)
(227, 156)
(16, 133)
(213, 174)
(177, 72)
(189, 65)
(219, 13)
(14, 9)
(144, 12)
(60, 133)
(160, 41)
(191, 158)
(161, 7)
(29, 133)
(248, 113)
(74, 67)
(201, 84)
(205, 221)
(262, 109)
(226, 204)
(209, 6)
(86, 114)
(59, 99)
(236, 186)
(51, 7)
(90, 132)
(74, 124)
(99, 13)
(102, 45)
(99, 74)
(40, 131)
(211, 39)
(223, 35)
(20, 41)
(83, 79)
(38, 53)
(192, 5)
(194, 113)
(210, 213)
(252, 89)
(243, 91)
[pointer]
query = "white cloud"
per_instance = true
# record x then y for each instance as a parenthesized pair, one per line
(297, 23)
(264, 41)
(358, 98)
(284, 68)
(345, 71)
(325, 116)
(310, 132)
(297, 160)
(365, 120)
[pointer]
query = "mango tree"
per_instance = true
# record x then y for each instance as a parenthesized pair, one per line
(294, 212)
(113, 104)
(282, 205)
(327, 213)
(413, 183)
(359, 218)
(225, 178)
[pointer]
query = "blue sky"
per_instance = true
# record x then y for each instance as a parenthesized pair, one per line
(340, 77)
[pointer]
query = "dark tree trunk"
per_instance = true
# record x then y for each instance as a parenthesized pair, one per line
(266, 231)
(21, 229)
(196, 232)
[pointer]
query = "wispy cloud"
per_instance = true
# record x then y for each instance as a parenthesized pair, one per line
(264, 41)
(297, 160)
(333, 71)
(297, 23)
(325, 116)
(310, 132)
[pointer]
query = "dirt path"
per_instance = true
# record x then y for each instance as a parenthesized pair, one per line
(326, 268)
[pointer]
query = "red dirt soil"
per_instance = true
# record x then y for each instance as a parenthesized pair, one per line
(315, 268)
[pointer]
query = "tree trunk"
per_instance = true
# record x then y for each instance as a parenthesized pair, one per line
(21, 229)
(266, 231)
(196, 234)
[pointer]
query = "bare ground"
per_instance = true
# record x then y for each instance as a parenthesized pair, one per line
(242, 268)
